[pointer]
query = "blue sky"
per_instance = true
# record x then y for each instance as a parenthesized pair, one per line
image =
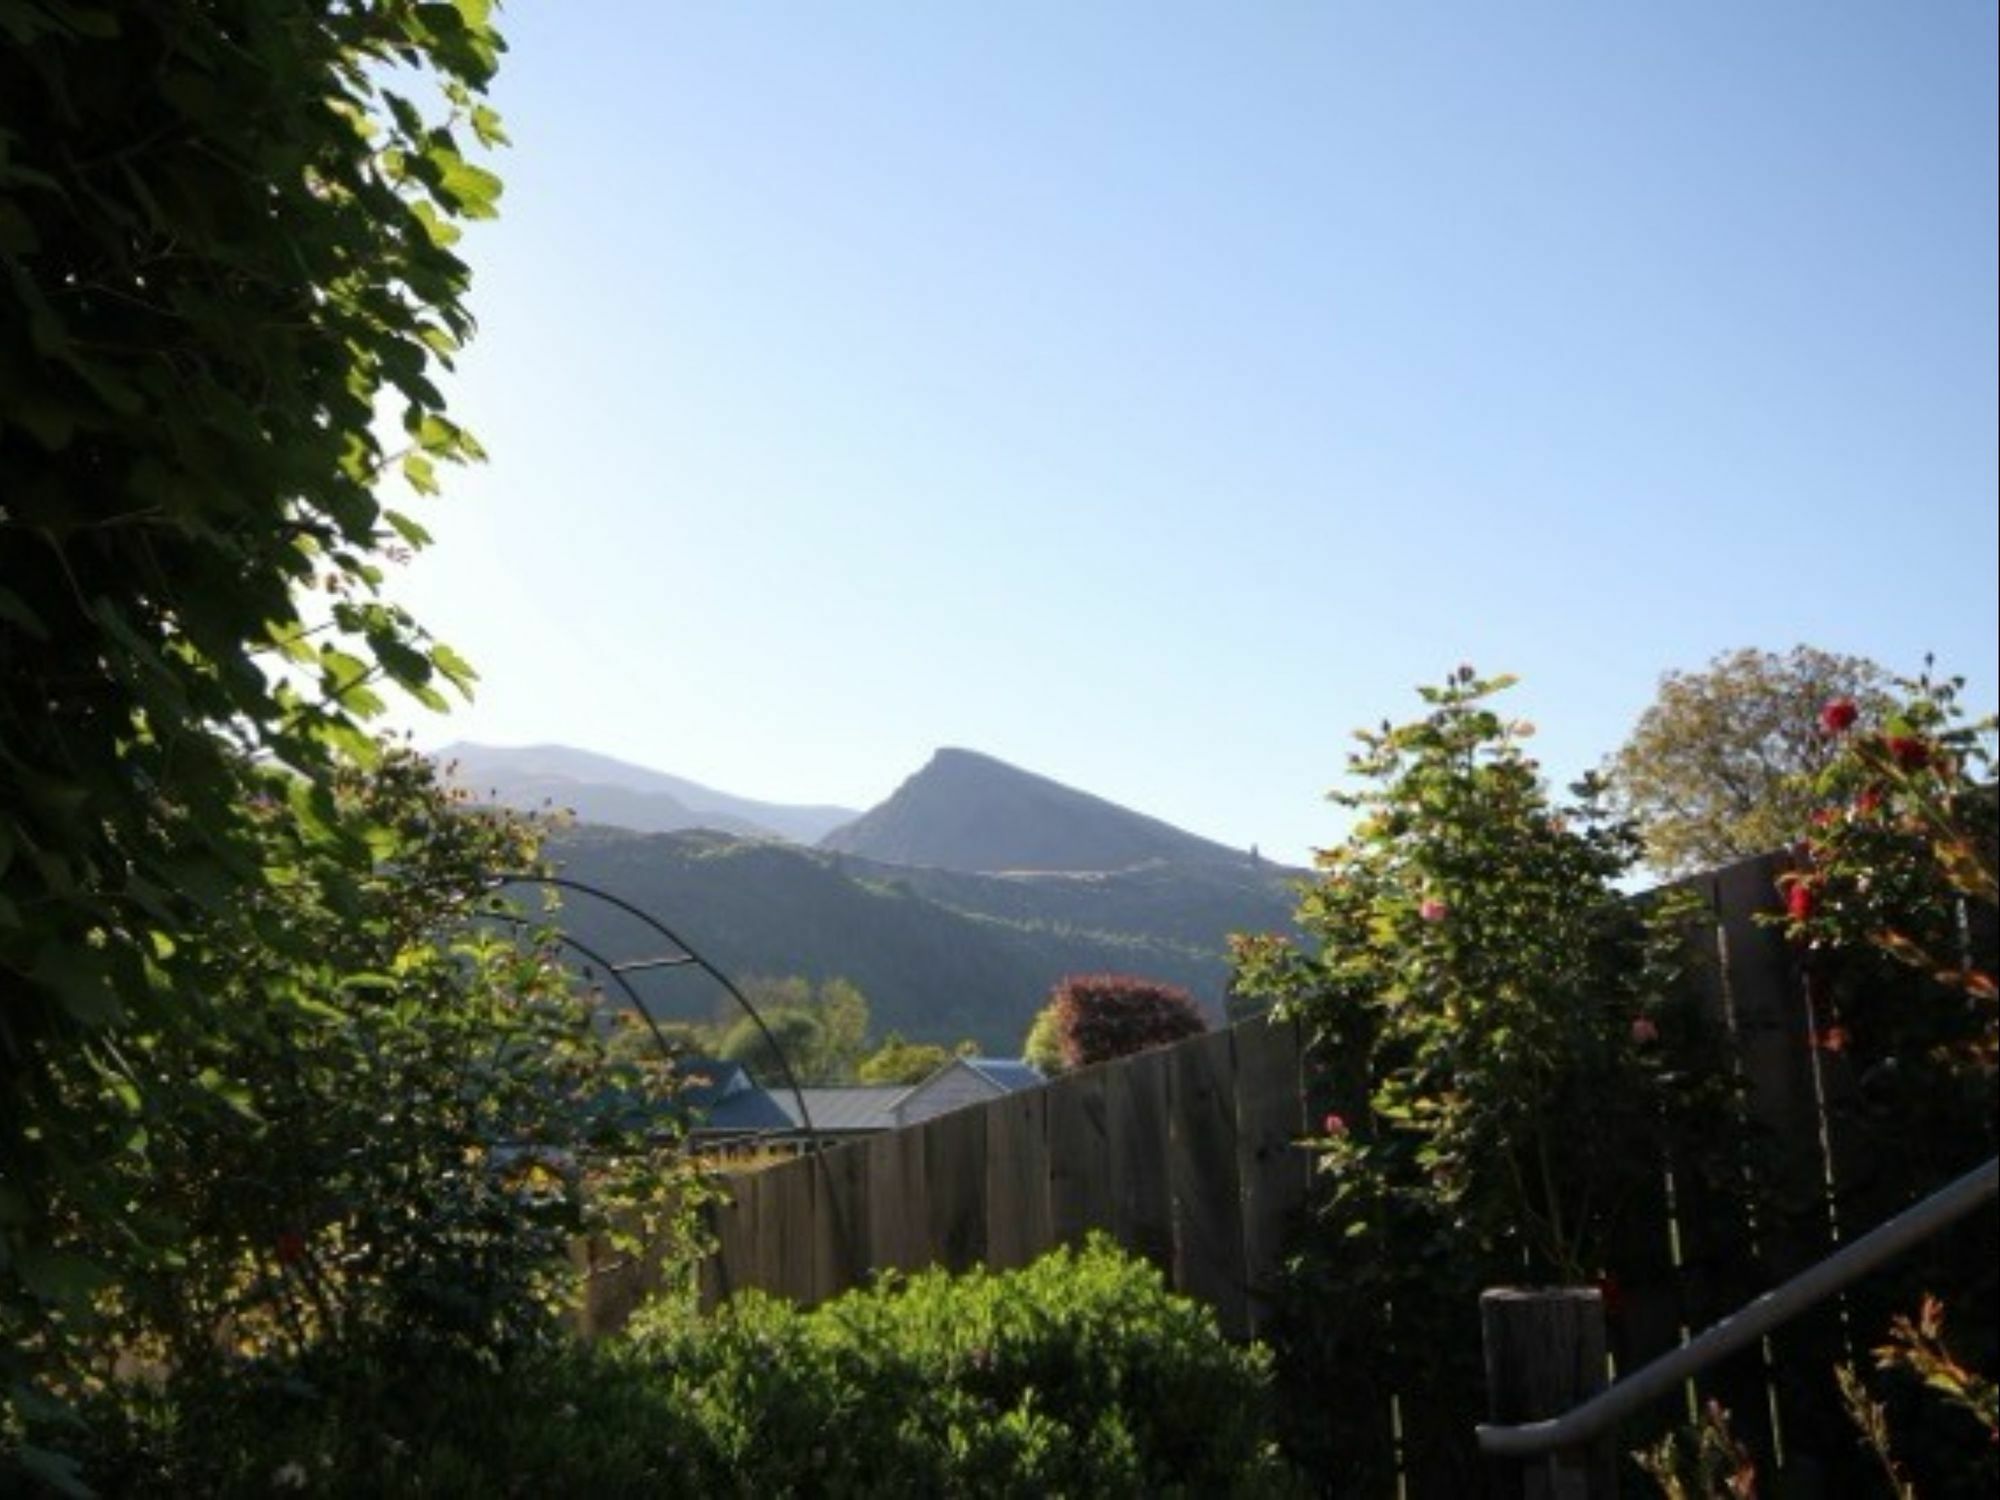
(1149, 394)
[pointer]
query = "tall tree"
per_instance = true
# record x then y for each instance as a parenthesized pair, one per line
(1720, 766)
(226, 284)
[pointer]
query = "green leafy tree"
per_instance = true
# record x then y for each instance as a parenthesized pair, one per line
(227, 284)
(1043, 1044)
(1720, 766)
(822, 1030)
(898, 1061)
(788, 1037)
(843, 1015)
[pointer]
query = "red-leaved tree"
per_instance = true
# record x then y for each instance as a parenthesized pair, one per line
(1101, 1016)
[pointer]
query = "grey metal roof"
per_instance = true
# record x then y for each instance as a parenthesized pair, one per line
(862, 1108)
(758, 1111)
(1010, 1074)
(747, 1113)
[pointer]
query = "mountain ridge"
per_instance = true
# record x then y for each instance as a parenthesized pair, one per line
(941, 955)
(621, 794)
(968, 811)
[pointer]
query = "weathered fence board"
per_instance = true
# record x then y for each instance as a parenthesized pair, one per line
(955, 1171)
(898, 1201)
(840, 1220)
(1142, 1209)
(1201, 1166)
(1079, 1157)
(1017, 1179)
(790, 1198)
(1273, 1171)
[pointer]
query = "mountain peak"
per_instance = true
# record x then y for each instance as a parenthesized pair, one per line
(966, 810)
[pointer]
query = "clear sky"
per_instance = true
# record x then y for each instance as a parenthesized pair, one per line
(1150, 393)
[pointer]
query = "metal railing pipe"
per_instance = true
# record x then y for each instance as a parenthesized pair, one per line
(1579, 1425)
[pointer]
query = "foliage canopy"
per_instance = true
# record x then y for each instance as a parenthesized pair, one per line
(1720, 766)
(227, 285)
(1096, 1017)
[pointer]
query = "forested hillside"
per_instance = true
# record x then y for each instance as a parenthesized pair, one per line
(940, 955)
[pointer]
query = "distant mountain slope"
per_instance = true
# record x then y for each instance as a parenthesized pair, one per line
(970, 812)
(599, 789)
(940, 955)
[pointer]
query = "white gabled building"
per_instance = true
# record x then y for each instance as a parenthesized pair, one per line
(963, 1081)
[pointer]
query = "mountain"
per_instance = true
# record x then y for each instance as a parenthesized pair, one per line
(955, 905)
(967, 811)
(941, 955)
(599, 789)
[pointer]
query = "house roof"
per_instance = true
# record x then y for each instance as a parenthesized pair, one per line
(751, 1112)
(706, 1081)
(862, 1108)
(1009, 1074)
(758, 1111)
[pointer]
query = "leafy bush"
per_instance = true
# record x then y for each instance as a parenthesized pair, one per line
(1893, 899)
(1502, 1065)
(371, 1163)
(1097, 1017)
(1080, 1375)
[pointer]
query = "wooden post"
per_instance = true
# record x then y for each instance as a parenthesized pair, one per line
(1545, 1355)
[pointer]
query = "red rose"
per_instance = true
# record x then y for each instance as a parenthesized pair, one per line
(1799, 901)
(1869, 801)
(1833, 1039)
(290, 1247)
(1839, 715)
(1909, 752)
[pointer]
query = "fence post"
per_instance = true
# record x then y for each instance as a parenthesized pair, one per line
(1545, 1354)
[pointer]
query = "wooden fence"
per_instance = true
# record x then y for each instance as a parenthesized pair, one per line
(1187, 1155)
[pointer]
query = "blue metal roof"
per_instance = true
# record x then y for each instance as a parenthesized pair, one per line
(1009, 1074)
(707, 1081)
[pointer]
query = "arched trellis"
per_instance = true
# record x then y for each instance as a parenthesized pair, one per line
(684, 956)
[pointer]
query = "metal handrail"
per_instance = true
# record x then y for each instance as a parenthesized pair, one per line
(1580, 1424)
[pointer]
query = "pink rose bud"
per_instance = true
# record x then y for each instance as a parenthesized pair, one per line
(1644, 1032)
(1433, 910)
(1334, 1125)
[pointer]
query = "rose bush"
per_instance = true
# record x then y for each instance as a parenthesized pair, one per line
(1500, 1042)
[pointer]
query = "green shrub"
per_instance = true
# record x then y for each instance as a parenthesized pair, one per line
(1081, 1375)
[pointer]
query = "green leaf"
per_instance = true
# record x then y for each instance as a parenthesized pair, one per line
(58, 1471)
(79, 983)
(407, 529)
(455, 667)
(14, 607)
(59, 1276)
(422, 476)
(486, 126)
